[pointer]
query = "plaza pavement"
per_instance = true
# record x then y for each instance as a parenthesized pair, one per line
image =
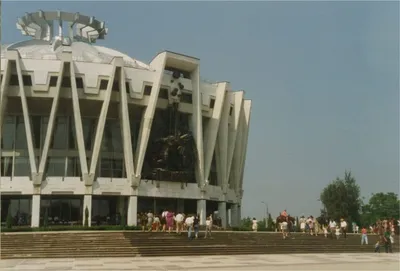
(341, 261)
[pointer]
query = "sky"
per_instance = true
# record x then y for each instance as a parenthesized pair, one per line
(323, 78)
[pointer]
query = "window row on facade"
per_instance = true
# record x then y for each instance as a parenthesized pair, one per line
(64, 136)
(14, 166)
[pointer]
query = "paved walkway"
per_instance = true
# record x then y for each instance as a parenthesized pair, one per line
(363, 261)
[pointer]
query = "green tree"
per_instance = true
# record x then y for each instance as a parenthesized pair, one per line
(270, 223)
(381, 206)
(246, 222)
(341, 198)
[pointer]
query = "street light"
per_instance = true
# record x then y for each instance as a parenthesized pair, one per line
(266, 213)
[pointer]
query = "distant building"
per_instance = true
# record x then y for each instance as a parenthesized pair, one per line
(85, 126)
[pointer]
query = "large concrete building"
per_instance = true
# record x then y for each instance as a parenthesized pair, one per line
(85, 126)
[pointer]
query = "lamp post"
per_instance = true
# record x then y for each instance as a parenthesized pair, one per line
(266, 213)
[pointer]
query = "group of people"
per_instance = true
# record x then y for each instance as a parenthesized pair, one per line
(167, 221)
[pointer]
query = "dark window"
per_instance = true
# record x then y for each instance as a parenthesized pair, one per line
(163, 94)
(27, 80)
(79, 82)
(230, 111)
(186, 98)
(212, 103)
(66, 82)
(13, 80)
(115, 86)
(147, 90)
(103, 84)
(53, 81)
(1, 79)
(36, 126)
(182, 73)
(127, 87)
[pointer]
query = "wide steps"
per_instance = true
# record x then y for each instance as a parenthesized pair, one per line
(131, 244)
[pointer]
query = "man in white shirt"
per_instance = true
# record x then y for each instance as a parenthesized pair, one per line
(179, 220)
(150, 218)
(189, 225)
(209, 223)
(164, 220)
(332, 227)
(343, 227)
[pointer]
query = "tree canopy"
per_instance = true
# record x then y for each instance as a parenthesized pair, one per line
(341, 199)
(380, 206)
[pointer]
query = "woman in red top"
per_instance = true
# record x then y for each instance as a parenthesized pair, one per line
(364, 237)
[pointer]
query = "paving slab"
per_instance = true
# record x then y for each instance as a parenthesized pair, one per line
(342, 261)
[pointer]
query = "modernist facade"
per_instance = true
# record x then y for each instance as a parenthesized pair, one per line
(85, 126)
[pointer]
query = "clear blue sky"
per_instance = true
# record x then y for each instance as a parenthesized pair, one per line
(323, 77)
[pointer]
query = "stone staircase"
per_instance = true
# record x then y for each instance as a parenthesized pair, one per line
(133, 244)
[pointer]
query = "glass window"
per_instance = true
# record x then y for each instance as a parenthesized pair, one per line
(73, 167)
(7, 138)
(22, 166)
(106, 143)
(106, 167)
(71, 134)
(55, 166)
(36, 133)
(89, 131)
(117, 168)
(43, 129)
(6, 166)
(76, 210)
(116, 136)
(60, 134)
(20, 138)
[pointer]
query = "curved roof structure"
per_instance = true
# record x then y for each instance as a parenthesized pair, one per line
(83, 31)
(81, 52)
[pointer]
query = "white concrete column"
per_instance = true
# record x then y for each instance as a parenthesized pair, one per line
(234, 215)
(132, 211)
(87, 202)
(181, 205)
(222, 213)
(201, 211)
(35, 218)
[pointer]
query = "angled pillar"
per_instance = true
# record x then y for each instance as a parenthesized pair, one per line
(117, 63)
(27, 121)
(126, 128)
(222, 143)
(233, 129)
(246, 128)
(211, 130)
(158, 64)
(88, 179)
(3, 94)
(50, 126)
(197, 121)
